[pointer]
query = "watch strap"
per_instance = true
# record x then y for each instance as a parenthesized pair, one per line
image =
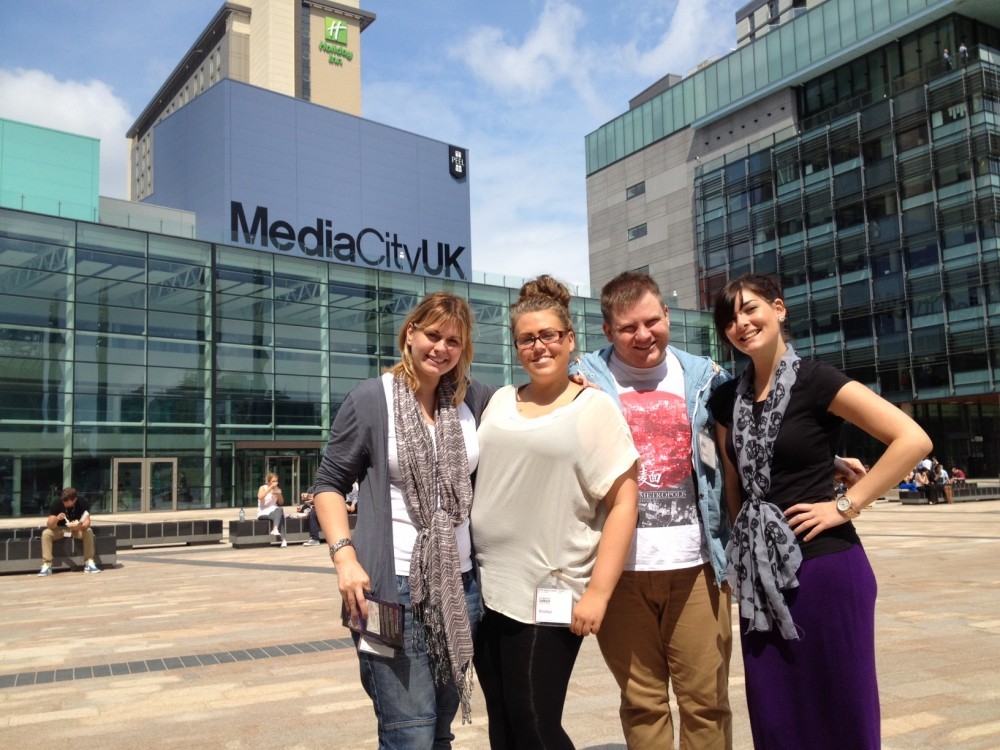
(339, 545)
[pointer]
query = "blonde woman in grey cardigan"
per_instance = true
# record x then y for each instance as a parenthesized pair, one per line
(408, 438)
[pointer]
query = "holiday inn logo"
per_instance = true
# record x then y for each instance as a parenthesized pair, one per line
(335, 42)
(336, 31)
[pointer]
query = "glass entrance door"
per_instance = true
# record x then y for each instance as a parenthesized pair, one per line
(143, 485)
(287, 469)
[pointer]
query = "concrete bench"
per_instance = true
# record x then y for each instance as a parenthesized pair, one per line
(20, 553)
(142, 534)
(968, 493)
(254, 533)
(909, 497)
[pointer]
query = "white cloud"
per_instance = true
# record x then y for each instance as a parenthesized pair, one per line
(84, 108)
(547, 56)
(694, 32)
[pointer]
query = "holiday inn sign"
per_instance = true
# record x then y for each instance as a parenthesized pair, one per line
(335, 43)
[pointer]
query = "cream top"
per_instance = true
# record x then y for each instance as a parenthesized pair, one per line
(539, 501)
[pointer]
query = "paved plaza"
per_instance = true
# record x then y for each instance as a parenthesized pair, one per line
(213, 647)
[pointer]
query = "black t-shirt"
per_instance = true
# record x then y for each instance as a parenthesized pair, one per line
(73, 514)
(802, 467)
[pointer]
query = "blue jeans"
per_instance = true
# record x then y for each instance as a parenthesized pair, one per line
(414, 713)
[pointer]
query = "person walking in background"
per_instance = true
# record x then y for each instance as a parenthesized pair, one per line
(408, 438)
(554, 511)
(269, 502)
(808, 616)
(963, 54)
(68, 515)
(946, 58)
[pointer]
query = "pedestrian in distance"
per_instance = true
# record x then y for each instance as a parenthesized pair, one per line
(308, 509)
(269, 506)
(70, 514)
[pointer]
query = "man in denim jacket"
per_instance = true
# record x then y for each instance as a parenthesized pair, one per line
(669, 617)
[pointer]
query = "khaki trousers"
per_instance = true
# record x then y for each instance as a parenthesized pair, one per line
(670, 625)
(50, 535)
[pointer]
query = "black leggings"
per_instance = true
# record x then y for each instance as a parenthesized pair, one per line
(524, 672)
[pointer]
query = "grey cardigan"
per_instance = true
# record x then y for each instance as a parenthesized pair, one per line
(358, 451)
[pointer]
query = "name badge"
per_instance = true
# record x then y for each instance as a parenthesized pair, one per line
(553, 602)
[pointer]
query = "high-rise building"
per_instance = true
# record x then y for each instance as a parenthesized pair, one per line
(839, 147)
(166, 354)
(309, 50)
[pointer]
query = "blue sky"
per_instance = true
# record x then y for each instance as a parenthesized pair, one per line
(518, 83)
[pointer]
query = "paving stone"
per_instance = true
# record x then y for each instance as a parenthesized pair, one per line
(205, 646)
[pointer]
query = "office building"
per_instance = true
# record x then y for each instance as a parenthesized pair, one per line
(156, 371)
(306, 49)
(840, 148)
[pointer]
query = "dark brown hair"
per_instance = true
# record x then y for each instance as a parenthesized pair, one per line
(69, 493)
(765, 287)
(624, 290)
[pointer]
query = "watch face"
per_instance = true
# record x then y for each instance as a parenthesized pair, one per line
(843, 505)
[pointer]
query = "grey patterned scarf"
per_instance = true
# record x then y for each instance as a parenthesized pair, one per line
(762, 552)
(438, 495)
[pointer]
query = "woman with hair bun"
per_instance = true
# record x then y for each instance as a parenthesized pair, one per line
(555, 508)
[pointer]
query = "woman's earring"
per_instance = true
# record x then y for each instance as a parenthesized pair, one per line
(781, 319)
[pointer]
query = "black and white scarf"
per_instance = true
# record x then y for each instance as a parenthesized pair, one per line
(762, 551)
(438, 494)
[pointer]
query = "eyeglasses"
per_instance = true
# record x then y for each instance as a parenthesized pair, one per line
(546, 337)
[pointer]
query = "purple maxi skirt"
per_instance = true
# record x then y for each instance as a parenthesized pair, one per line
(819, 692)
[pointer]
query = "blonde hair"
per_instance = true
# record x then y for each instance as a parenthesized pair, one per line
(435, 310)
(543, 293)
(267, 477)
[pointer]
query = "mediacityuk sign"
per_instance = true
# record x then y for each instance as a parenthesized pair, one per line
(369, 247)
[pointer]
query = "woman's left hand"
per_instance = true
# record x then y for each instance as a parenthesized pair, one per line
(812, 518)
(588, 614)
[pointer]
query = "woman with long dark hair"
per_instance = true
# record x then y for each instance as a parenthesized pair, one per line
(805, 588)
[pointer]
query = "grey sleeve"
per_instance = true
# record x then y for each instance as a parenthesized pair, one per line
(348, 455)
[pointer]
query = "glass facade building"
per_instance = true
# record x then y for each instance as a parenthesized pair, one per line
(873, 193)
(155, 373)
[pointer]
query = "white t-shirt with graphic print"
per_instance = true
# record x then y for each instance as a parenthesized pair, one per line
(668, 535)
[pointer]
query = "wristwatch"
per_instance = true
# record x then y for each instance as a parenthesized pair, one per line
(846, 508)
